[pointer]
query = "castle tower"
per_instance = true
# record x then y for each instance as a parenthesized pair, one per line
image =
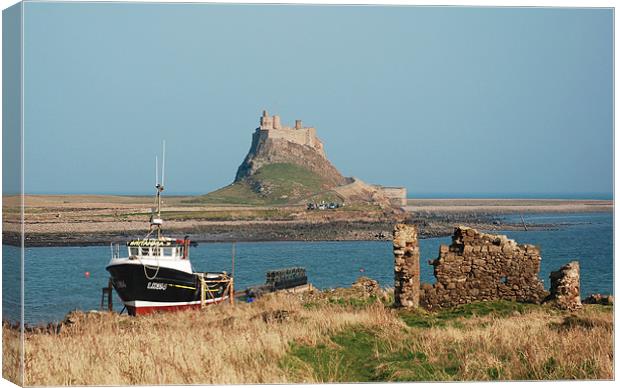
(266, 122)
(297, 124)
(276, 122)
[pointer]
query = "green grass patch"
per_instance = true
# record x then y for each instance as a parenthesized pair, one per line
(582, 322)
(238, 193)
(277, 183)
(349, 300)
(373, 354)
(358, 354)
(230, 215)
(356, 303)
(454, 316)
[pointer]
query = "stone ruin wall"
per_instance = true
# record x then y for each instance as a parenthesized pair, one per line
(406, 266)
(482, 267)
(304, 136)
(565, 287)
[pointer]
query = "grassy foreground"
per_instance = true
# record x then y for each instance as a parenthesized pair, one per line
(336, 336)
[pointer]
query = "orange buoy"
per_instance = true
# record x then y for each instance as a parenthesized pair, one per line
(87, 274)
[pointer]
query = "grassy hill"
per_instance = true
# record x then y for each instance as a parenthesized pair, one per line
(273, 184)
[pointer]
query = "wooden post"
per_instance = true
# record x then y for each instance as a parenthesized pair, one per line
(202, 291)
(231, 290)
(233, 260)
(110, 307)
(107, 292)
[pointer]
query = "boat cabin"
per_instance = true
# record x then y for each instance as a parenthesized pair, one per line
(161, 248)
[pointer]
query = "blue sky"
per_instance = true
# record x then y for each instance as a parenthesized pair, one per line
(440, 100)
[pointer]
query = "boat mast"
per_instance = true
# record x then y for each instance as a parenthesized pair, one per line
(156, 220)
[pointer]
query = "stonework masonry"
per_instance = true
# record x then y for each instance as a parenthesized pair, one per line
(565, 290)
(271, 128)
(482, 267)
(406, 266)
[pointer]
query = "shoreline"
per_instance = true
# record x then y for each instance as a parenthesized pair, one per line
(297, 233)
(56, 221)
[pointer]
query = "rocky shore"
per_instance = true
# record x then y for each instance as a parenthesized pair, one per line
(269, 231)
(99, 220)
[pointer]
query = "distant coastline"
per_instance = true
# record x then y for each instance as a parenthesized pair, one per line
(72, 220)
(410, 195)
(515, 196)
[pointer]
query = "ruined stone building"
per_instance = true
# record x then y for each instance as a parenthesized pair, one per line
(475, 267)
(406, 266)
(479, 266)
(565, 288)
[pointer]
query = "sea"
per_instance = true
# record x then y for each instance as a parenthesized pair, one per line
(61, 279)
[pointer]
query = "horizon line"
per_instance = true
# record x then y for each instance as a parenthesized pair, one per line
(420, 195)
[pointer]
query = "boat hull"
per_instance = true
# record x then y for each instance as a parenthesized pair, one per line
(145, 290)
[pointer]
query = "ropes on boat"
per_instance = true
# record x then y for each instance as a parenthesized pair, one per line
(145, 266)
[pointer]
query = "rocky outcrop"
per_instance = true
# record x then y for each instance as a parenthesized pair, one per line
(406, 266)
(267, 149)
(288, 165)
(564, 291)
(482, 267)
(605, 300)
(366, 286)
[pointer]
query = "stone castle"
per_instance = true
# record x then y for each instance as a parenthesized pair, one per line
(274, 143)
(271, 128)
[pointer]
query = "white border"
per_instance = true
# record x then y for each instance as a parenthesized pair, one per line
(434, 3)
(475, 3)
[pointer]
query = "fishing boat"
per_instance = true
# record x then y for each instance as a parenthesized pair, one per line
(157, 274)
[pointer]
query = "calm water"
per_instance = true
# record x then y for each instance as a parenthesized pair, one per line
(55, 281)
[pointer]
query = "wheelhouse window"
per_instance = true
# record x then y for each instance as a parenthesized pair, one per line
(168, 251)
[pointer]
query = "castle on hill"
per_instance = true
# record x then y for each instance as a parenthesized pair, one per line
(274, 143)
(271, 128)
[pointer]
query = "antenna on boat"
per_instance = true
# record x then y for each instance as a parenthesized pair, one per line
(163, 163)
(156, 220)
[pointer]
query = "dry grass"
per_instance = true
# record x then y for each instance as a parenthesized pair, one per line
(222, 345)
(11, 347)
(325, 340)
(532, 346)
